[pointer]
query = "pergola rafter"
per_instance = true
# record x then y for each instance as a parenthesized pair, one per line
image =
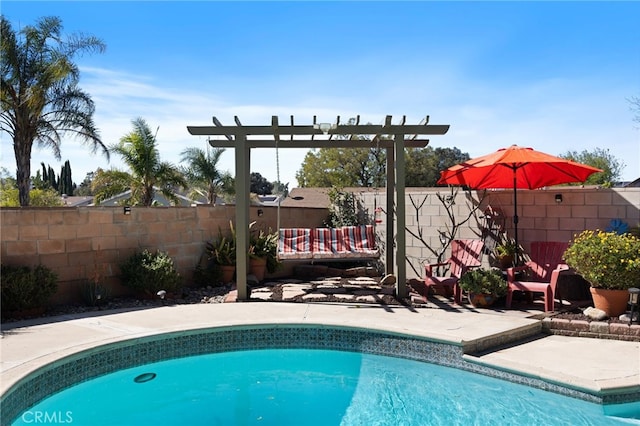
(394, 138)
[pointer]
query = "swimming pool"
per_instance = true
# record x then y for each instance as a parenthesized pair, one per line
(356, 353)
(306, 387)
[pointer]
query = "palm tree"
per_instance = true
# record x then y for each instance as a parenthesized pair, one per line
(203, 173)
(40, 97)
(138, 150)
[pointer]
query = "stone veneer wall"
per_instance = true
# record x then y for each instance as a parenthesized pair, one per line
(76, 242)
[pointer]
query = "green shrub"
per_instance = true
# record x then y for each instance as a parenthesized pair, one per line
(149, 273)
(25, 288)
(484, 281)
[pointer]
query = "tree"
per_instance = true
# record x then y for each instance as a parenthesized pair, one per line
(40, 97)
(602, 159)
(43, 196)
(48, 177)
(138, 150)
(65, 182)
(62, 184)
(423, 165)
(280, 188)
(203, 174)
(366, 167)
(84, 189)
(342, 167)
(260, 185)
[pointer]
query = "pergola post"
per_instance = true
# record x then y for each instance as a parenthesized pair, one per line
(243, 185)
(401, 220)
(390, 199)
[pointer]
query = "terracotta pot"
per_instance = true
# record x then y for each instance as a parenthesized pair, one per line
(506, 262)
(258, 267)
(481, 300)
(227, 273)
(613, 302)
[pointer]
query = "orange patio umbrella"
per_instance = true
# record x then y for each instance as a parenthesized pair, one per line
(518, 168)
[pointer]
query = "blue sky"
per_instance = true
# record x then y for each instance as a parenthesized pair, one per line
(554, 76)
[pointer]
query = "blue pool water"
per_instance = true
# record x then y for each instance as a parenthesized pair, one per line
(307, 387)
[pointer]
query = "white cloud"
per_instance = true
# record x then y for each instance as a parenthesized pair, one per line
(553, 116)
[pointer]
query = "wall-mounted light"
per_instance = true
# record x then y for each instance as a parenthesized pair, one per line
(260, 212)
(558, 198)
(126, 210)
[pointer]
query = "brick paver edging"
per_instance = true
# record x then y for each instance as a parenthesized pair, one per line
(594, 329)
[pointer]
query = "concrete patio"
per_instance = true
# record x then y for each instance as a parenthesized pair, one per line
(510, 341)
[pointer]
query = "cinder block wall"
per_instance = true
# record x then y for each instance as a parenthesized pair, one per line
(78, 242)
(75, 242)
(541, 218)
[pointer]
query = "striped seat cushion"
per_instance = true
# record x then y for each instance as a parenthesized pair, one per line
(294, 243)
(359, 238)
(328, 241)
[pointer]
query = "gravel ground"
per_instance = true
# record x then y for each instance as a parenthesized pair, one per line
(189, 296)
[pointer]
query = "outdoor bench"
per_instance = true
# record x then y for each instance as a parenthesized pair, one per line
(347, 242)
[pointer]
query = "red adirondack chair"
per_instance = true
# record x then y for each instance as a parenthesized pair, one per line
(542, 272)
(465, 254)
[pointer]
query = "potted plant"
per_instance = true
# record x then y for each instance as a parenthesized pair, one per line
(505, 253)
(222, 251)
(610, 262)
(483, 286)
(263, 252)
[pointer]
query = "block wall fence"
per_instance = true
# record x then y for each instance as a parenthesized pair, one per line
(77, 242)
(541, 218)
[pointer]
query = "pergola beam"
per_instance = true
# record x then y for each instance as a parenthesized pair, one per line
(318, 143)
(342, 129)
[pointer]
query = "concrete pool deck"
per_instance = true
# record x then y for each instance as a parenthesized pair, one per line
(596, 365)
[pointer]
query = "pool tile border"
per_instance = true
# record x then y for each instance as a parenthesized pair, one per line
(105, 359)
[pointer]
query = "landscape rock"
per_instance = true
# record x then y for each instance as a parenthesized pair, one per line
(626, 317)
(595, 314)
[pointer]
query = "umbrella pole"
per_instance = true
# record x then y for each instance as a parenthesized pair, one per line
(515, 216)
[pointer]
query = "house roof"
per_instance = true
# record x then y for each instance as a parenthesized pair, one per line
(158, 198)
(71, 201)
(307, 197)
(319, 197)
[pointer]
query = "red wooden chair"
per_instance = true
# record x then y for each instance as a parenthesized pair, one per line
(465, 254)
(542, 272)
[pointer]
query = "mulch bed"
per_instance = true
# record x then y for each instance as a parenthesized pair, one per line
(189, 296)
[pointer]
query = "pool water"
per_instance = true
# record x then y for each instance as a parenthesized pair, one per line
(307, 387)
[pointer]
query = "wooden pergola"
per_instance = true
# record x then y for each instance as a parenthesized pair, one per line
(394, 138)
